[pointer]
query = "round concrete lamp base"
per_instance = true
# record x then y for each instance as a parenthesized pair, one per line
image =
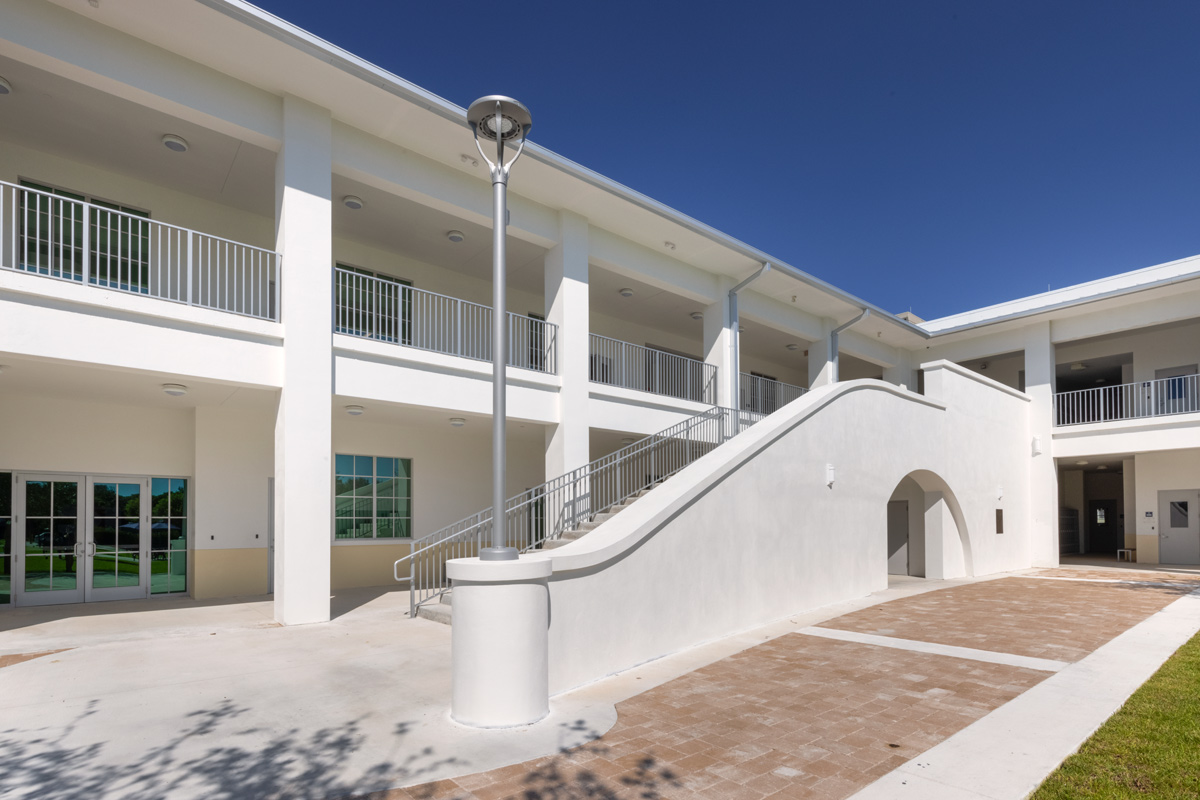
(499, 641)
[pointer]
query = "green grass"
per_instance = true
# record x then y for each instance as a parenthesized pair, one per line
(1148, 749)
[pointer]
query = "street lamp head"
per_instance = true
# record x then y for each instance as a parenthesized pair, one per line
(498, 117)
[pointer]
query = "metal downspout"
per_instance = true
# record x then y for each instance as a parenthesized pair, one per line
(833, 342)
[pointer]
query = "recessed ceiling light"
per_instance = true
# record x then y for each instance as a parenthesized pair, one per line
(627, 441)
(669, 245)
(1081, 463)
(355, 411)
(626, 292)
(741, 329)
(455, 236)
(1078, 365)
(457, 422)
(174, 389)
(983, 365)
(353, 202)
(1099, 380)
(793, 346)
(697, 315)
(466, 159)
(1102, 466)
(5, 87)
(176, 144)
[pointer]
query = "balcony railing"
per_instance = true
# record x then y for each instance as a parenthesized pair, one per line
(631, 366)
(764, 395)
(72, 240)
(1155, 398)
(390, 311)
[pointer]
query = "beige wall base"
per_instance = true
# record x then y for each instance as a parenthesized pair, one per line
(1147, 549)
(352, 566)
(228, 573)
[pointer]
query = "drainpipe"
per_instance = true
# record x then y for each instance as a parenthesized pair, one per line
(735, 359)
(833, 342)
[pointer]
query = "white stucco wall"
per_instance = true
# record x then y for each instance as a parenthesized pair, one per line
(752, 532)
(1154, 473)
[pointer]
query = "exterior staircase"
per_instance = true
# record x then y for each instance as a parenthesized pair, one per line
(443, 610)
(567, 507)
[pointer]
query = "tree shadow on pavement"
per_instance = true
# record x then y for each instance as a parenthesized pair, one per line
(211, 758)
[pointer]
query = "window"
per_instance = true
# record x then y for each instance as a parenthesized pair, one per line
(1179, 514)
(6, 537)
(999, 520)
(372, 498)
(374, 306)
(1100, 519)
(168, 535)
(51, 239)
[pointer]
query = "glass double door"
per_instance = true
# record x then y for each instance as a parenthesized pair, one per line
(81, 539)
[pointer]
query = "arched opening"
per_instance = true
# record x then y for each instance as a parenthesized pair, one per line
(926, 530)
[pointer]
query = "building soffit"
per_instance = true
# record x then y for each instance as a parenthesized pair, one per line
(264, 51)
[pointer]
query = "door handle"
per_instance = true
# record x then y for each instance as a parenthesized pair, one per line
(93, 553)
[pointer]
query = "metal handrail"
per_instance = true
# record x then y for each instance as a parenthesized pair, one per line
(766, 395)
(386, 310)
(566, 502)
(647, 369)
(63, 238)
(1156, 398)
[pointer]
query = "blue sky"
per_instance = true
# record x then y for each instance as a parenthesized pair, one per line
(934, 155)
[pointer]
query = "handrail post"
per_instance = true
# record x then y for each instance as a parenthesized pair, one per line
(191, 239)
(86, 244)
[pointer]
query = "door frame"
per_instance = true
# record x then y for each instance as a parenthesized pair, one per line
(20, 596)
(142, 589)
(1165, 498)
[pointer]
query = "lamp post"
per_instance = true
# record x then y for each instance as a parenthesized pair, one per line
(504, 121)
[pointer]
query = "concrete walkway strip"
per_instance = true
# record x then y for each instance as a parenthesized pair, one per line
(1007, 754)
(1159, 584)
(1008, 659)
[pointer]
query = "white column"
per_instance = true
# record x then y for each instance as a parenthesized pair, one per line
(821, 357)
(567, 445)
(303, 439)
(1129, 493)
(901, 372)
(1043, 476)
(719, 343)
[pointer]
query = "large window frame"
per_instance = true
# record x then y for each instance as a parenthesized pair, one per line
(372, 499)
(51, 231)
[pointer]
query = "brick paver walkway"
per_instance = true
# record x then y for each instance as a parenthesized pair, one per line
(1061, 620)
(807, 717)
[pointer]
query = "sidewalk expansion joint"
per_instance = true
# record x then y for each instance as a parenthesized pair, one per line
(970, 653)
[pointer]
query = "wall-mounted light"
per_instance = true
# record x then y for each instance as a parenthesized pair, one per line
(176, 144)
(830, 475)
(457, 422)
(1036, 447)
(455, 236)
(697, 315)
(174, 389)
(626, 292)
(999, 493)
(5, 87)
(353, 202)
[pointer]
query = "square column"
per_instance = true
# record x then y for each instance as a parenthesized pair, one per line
(902, 373)
(567, 443)
(303, 428)
(821, 357)
(719, 344)
(1043, 475)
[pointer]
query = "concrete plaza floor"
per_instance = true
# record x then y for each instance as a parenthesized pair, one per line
(929, 689)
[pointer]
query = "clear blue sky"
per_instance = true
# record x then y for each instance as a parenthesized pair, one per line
(938, 155)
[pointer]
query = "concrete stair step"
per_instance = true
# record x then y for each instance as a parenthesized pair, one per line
(437, 612)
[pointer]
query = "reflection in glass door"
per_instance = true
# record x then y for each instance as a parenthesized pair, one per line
(50, 546)
(115, 541)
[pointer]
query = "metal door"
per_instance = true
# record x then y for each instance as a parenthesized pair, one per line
(1179, 527)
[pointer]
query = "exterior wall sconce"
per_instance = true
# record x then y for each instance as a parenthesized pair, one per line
(1037, 445)
(830, 475)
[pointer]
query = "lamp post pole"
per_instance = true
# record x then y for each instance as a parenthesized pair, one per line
(499, 119)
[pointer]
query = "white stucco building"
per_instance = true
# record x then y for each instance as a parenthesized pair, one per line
(244, 279)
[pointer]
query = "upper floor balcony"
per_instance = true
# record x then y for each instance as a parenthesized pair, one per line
(65, 236)
(1128, 401)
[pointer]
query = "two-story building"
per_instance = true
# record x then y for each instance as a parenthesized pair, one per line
(245, 325)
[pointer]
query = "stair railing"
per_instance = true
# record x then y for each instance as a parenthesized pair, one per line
(564, 503)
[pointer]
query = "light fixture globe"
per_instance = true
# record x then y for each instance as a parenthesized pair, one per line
(515, 119)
